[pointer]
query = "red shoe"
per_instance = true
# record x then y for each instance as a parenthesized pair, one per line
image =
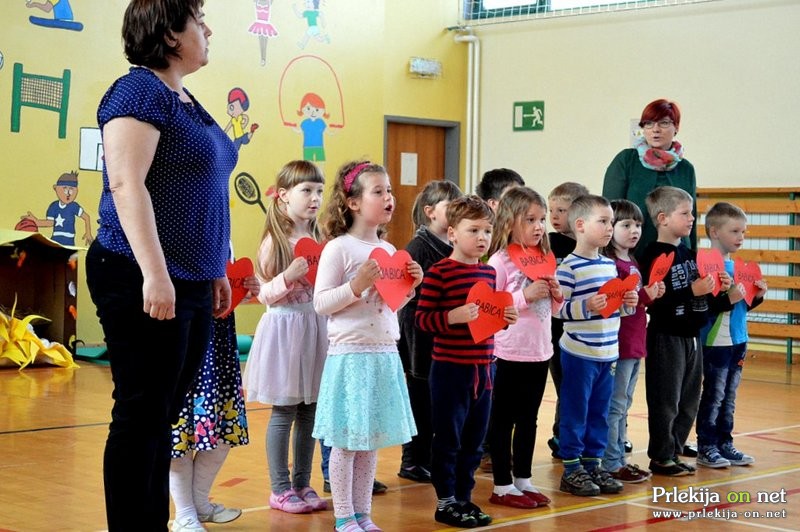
(538, 497)
(253, 128)
(514, 501)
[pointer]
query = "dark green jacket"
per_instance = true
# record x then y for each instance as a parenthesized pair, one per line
(626, 178)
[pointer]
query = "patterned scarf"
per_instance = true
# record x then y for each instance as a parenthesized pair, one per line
(658, 159)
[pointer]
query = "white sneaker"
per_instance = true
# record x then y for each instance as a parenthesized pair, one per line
(219, 514)
(187, 524)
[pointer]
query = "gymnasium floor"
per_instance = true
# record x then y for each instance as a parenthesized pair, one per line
(54, 421)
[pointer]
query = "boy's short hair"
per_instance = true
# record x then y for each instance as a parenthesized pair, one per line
(665, 199)
(582, 207)
(721, 212)
(468, 208)
(494, 182)
(568, 191)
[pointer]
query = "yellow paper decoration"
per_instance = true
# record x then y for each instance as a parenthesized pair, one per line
(21, 346)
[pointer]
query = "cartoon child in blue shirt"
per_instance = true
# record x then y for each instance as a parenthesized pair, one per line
(61, 214)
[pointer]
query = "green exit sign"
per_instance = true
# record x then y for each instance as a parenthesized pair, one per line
(529, 116)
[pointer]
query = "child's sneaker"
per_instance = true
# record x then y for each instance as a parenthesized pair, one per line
(349, 525)
(554, 447)
(454, 515)
(667, 469)
(735, 456)
(605, 481)
(378, 487)
(628, 446)
(474, 510)
(219, 514)
(630, 474)
(689, 468)
(311, 498)
(579, 483)
(537, 496)
(514, 501)
(289, 502)
(710, 457)
(187, 524)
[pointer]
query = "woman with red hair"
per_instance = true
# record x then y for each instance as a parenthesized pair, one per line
(655, 160)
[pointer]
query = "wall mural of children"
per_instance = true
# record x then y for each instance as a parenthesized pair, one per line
(313, 127)
(315, 20)
(61, 214)
(321, 110)
(262, 27)
(62, 15)
(238, 103)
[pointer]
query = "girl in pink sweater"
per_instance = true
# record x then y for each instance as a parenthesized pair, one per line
(523, 350)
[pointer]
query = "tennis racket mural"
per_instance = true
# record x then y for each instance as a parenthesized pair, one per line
(321, 105)
(247, 189)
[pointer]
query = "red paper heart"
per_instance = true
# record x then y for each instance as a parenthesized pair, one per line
(309, 249)
(237, 272)
(660, 267)
(747, 273)
(491, 309)
(532, 262)
(395, 282)
(615, 290)
(710, 262)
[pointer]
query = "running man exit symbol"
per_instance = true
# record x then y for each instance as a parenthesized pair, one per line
(529, 116)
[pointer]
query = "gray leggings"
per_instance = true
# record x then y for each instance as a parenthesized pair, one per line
(280, 427)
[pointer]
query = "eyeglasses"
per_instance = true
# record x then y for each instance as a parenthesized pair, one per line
(663, 124)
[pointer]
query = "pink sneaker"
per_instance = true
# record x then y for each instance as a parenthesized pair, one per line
(311, 498)
(289, 502)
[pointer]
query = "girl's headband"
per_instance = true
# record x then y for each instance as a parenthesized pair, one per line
(351, 176)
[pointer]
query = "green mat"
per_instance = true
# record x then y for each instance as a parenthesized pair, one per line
(96, 354)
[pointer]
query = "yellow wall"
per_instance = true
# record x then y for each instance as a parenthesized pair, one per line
(370, 44)
(732, 66)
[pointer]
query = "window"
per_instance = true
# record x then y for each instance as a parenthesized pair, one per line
(514, 10)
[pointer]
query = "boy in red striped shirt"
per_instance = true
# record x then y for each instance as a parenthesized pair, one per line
(460, 378)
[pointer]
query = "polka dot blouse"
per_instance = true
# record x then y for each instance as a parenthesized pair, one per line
(187, 181)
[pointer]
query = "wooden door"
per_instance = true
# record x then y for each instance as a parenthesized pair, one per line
(428, 143)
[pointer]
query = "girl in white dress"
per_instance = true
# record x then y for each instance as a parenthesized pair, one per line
(285, 364)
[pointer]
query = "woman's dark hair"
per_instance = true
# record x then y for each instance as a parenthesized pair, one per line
(146, 26)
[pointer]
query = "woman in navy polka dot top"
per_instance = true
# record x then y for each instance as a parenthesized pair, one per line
(156, 271)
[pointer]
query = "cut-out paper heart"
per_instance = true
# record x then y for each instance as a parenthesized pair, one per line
(532, 262)
(660, 267)
(615, 290)
(237, 272)
(309, 249)
(710, 262)
(746, 274)
(491, 310)
(395, 282)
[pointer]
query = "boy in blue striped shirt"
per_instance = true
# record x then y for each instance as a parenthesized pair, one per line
(589, 347)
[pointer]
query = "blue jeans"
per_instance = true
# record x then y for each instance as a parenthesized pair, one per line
(585, 395)
(722, 372)
(626, 374)
(325, 458)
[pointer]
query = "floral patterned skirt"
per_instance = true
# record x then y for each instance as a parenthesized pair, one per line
(214, 411)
